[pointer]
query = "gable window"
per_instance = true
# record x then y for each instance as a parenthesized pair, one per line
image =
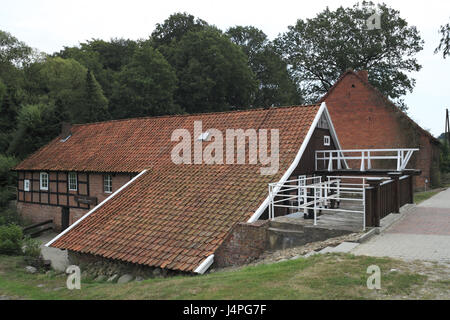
(73, 183)
(326, 140)
(26, 185)
(43, 181)
(107, 183)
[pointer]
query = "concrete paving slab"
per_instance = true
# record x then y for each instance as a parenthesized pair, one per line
(440, 200)
(345, 247)
(422, 233)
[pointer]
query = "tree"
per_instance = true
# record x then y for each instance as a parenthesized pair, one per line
(94, 105)
(212, 72)
(63, 82)
(175, 27)
(275, 85)
(37, 124)
(445, 157)
(105, 59)
(444, 44)
(145, 86)
(13, 51)
(320, 49)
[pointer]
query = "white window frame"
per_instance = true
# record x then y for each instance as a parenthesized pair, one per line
(26, 185)
(42, 185)
(72, 175)
(326, 140)
(107, 183)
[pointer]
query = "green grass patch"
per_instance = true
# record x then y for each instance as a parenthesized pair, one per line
(422, 196)
(330, 276)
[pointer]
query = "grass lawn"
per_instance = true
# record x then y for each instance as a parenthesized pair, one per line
(330, 276)
(424, 195)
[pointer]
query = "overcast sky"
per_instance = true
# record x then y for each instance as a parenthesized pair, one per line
(48, 25)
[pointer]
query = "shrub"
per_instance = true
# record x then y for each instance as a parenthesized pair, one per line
(7, 177)
(6, 195)
(10, 216)
(32, 248)
(11, 239)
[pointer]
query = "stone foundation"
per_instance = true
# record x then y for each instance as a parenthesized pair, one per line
(94, 266)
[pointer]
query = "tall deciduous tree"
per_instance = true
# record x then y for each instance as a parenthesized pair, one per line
(67, 84)
(145, 86)
(37, 124)
(275, 85)
(175, 27)
(318, 50)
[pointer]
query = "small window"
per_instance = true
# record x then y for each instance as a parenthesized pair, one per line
(26, 185)
(326, 140)
(73, 183)
(107, 183)
(43, 180)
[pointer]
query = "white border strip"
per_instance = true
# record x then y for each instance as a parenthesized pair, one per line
(287, 174)
(94, 209)
(201, 269)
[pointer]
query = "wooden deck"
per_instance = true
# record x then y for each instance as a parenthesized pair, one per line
(348, 221)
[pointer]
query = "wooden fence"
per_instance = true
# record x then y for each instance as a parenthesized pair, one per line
(385, 197)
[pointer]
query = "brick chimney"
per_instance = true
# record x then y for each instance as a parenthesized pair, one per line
(65, 130)
(364, 75)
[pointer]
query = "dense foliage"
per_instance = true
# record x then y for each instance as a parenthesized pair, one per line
(445, 157)
(190, 66)
(10, 239)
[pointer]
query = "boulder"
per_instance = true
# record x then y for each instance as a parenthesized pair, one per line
(100, 278)
(30, 269)
(157, 272)
(125, 278)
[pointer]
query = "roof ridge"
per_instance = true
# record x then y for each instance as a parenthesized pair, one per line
(378, 92)
(197, 114)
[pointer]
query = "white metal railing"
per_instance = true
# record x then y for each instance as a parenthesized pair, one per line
(365, 156)
(312, 193)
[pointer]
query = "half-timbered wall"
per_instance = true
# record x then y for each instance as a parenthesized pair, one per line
(37, 205)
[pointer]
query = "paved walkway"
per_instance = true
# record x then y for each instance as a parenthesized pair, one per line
(422, 233)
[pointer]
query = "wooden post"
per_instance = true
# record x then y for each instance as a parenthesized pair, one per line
(375, 184)
(395, 176)
(411, 189)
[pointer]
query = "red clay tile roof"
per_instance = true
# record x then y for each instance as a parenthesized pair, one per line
(174, 216)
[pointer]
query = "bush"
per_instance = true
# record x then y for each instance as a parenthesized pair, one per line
(7, 177)
(445, 157)
(6, 195)
(32, 248)
(11, 239)
(10, 216)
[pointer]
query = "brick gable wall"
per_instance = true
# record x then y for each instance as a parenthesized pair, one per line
(364, 120)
